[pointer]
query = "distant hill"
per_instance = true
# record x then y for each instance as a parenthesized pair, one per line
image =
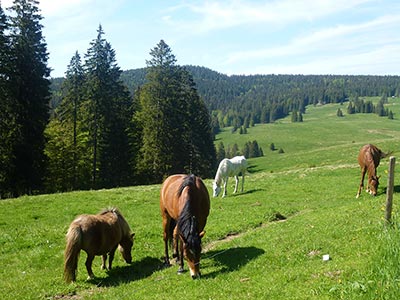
(265, 98)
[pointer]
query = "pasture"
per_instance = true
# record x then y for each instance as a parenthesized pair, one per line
(264, 243)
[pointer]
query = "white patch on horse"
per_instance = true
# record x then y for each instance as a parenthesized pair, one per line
(228, 168)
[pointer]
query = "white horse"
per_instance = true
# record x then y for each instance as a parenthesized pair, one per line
(227, 168)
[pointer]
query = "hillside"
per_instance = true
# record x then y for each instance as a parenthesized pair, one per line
(265, 243)
(266, 98)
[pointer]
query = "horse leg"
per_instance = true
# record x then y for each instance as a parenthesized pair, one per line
(104, 260)
(88, 264)
(242, 181)
(363, 171)
(166, 223)
(225, 184)
(176, 244)
(236, 184)
(181, 269)
(111, 257)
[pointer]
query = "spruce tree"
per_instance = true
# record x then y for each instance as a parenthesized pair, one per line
(66, 149)
(30, 96)
(7, 116)
(107, 102)
(176, 131)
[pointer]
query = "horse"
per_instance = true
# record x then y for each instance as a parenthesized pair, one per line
(184, 205)
(229, 167)
(97, 235)
(369, 159)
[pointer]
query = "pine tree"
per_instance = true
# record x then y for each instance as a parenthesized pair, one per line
(7, 116)
(108, 110)
(30, 96)
(66, 138)
(177, 136)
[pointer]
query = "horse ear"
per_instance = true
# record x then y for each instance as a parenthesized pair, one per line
(132, 235)
(201, 234)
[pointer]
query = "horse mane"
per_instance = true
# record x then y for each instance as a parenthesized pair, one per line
(188, 228)
(124, 224)
(187, 222)
(189, 180)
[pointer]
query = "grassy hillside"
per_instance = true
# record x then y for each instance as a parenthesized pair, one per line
(266, 243)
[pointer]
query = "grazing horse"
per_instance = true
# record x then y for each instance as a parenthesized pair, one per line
(368, 159)
(229, 167)
(185, 205)
(97, 235)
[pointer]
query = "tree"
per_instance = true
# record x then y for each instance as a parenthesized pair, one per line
(67, 149)
(107, 104)
(177, 135)
(7, 116)
(29, 91)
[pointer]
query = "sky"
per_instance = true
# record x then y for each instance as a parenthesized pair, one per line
(233, 37)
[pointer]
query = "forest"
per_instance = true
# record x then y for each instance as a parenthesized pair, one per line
(101, 127)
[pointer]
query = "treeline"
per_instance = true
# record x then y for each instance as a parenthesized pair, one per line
(96, 134)
(238, 99)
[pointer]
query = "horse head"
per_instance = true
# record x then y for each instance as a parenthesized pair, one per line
(373, 184)
(125, 247)
(216, 189)
(192, 252)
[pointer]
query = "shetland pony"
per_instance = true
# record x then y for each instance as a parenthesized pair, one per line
(185, 205)
(369, 159)
(227, 168)
(97, 235)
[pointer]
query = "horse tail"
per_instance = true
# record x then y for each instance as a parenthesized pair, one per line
(71, 254)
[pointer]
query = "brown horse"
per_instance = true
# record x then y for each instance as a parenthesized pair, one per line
(185, 205)
(369, 159)
(97, 235)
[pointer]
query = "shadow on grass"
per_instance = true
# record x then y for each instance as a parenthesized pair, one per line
(231, 259)
(123, 274)
(245, 192)
(396, 189)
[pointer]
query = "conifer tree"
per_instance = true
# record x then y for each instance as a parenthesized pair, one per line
(107, 102)
(7, 117)
(66, 149)
(29, 91)
(176, 127)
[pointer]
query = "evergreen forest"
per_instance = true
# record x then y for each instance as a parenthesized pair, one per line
(101, 127)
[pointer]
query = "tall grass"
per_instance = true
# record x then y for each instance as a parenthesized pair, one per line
(265, 243)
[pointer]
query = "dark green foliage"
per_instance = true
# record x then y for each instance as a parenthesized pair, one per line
(176, 136)
(251, 150)
(339, 113)
(88, 142)
(267, 98)
(26, 99)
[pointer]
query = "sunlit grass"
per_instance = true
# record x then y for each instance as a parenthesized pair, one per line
(266, 243)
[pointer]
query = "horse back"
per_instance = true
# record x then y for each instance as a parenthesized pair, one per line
(369, 156)
(173, 198)
(100, 233)
(170, 203)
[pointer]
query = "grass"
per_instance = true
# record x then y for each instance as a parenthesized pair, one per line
(265, 243)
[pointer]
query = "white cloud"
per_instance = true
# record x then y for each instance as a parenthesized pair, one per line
(214, 15)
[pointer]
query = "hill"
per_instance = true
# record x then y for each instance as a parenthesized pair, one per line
(266, 98)
(265, 243)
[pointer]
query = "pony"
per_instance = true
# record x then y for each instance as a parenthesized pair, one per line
(369, 159)
(229, 167)
(185, 205)
(97, 235)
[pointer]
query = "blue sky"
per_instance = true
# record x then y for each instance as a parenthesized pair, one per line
(233, 36)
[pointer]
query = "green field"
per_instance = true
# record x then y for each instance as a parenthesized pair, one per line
(265, 243)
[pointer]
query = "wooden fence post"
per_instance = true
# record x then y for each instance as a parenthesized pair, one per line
(389, 189)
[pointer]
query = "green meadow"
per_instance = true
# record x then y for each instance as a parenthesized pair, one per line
(265, 243)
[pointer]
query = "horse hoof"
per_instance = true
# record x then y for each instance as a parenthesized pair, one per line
(181, 271)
